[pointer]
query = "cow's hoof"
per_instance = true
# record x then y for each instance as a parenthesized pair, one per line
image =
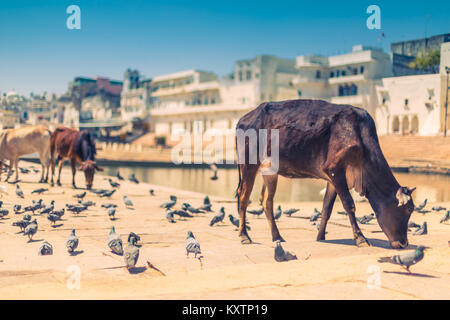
(320, 237)
(59, 184)
(362, 242)
(245, 240)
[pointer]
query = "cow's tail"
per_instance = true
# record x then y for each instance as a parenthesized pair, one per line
(237, 193)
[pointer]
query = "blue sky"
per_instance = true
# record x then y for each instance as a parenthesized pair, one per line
(38, 53)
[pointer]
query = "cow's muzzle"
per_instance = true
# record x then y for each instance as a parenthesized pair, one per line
(399, 244)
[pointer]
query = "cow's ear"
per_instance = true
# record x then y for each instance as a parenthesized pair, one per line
(411, 190)
(402, 196)
(98, 168)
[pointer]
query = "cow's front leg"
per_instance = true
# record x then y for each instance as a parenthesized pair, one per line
(248, 175)
(340, 184)
(328, 202)
(16, 167)
(74, 171)
(270, 181)
(10, 170)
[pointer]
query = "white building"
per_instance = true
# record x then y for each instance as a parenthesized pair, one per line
(196, 100)
(343, 79)
(135, 96)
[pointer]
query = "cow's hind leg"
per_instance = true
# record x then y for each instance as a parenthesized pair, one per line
(261, 196)
(328, 202)
(43, 163)
(248, 175)
(74, 171)
(60, 164)
(10, 170)
(270, 181)
(340, 184)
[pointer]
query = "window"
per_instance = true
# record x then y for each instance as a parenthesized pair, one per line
(299, 92)
(361, 69)
(406, 102)
(355, 71)
(343, 73)
(318, 74)
(240, 75)
(331, 74)
(249, 75)
(338, 73)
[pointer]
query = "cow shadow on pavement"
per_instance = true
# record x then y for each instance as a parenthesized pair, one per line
(378, 243)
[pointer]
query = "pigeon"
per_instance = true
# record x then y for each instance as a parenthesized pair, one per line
(77, 209)
(412, 224)
(422, 230)
(114, 242)
(133, 178)
(80, 195)
(45, 249)
(290, 212)
(315, 215)
(107, 194)
(111, 213)
(113, 184)
(3, 213)
(192, 245)
(366, 219)
(235, 222)
(188, 207)
(277, 213)
(39, 191)
(17, 208)
(72, 242)
(59, 213)
(152, 192)
(218, 218)
(169, 216)
(109, 205)
(446, 217)
(24, 170)
(213, 167)
(256, 212)
(131, 253)
(48, 209)
(135, 236)
(281, 255)
(86, 203)
(169, 204)
(99, 191)
(407, 259)
(22, 224)
(19, 192)
(180, 213)
(343, 213)
(438, 208)
(206, 200)
(205, 207)
(31, 229)
(421, 206)
(119, 176)
(1, 202)
(53, 218)
(127, 201)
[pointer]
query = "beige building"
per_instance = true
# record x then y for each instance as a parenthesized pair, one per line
(196, 101)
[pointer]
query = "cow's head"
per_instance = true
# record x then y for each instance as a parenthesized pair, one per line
(89, 167)
(394, 217)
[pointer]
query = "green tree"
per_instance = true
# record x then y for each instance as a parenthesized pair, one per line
(428, 61)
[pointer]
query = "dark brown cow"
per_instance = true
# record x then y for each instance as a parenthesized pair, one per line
(76, 146)
(336, 143)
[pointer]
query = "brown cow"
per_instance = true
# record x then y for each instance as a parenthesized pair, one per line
(78, 147)
(15, 143)
(336, 143)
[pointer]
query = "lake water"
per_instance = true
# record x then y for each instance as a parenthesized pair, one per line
(435, 188)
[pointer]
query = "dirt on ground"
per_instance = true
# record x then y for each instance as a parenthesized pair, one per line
(330, 269)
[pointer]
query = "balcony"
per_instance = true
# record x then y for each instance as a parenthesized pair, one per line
(345, 79)
(357, 100)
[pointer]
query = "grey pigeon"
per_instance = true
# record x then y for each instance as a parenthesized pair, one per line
(192, 245)
(135, 236)
(152, 192)
(45, 249)
(407, 259)
(19, 192)
(53, 218)
(131, 254)
(256, 212)
(76, 208)
(438, 208)
(133, 178)
(235, 222)
(113, 183)
(22, 224)
(119, 176)
(446, 217)
(169, 216)
(59, 213)
(86, 203)
(218, 218)
(107, 194)
(181, 213)
(366, 219)
(109, 205)
(72, 242)
(114, 242)
(205, 207)
(191, 209)
(169, 204)
(315, 215)
(3, 213)
(31, 229)
(111, 213)
(277, 213)
(290, 212)
(39, 191)
(412, 224)
(421, 206)
(17, 208)
(206, 200)
(80, 195)
(127, 201)
(48, 209)
(422, 230)
(280, 255)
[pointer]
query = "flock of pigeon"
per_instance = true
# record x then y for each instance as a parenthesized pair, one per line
(29, 226)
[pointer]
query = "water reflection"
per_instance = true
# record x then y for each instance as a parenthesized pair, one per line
(434, 187)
